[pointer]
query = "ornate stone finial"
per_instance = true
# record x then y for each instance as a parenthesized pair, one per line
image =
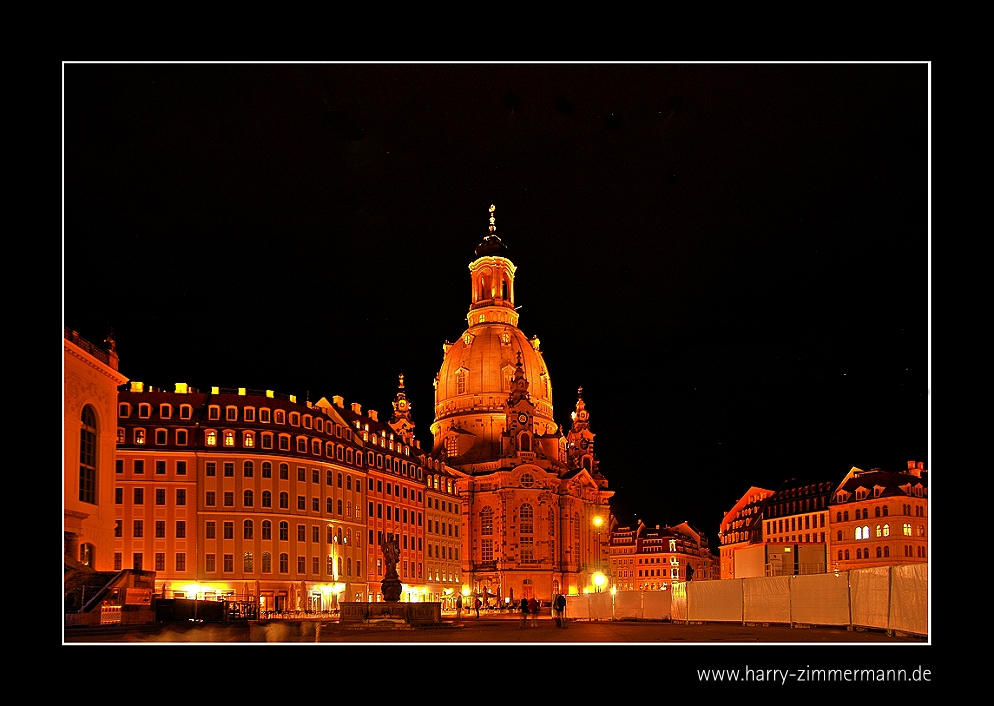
(493, 228)
(402, 381)
(111, 341)
(579, 392)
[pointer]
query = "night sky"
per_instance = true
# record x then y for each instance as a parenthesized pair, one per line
(732, 260)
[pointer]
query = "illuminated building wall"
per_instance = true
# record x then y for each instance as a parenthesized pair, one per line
(879, 518)
(871, 518)
(645, 559)
(241, 493)
(90, 382)
(531, 494)
(741, 527)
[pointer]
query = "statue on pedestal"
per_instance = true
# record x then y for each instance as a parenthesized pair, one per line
(391, 586)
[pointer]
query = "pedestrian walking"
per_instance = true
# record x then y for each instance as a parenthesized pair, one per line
(533, 611)
(523, 607)
(458, 606)
(477, 606)
(559, 606)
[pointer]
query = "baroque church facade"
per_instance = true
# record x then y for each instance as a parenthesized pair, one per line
(535, 507)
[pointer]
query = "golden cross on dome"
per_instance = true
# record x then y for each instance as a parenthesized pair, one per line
(492, 226)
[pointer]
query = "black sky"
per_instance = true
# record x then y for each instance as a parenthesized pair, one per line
(732, 260)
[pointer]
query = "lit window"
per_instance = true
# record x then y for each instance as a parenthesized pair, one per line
(249, 440)
(229, 438)
(139, 436)
(211, 437)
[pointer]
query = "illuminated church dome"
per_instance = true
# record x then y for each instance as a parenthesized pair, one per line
(478, 370)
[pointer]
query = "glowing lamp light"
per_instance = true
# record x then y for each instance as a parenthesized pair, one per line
(598, 521)
(599, 580)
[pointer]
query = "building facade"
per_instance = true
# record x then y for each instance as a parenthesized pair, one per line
(535, 508)
(89, 406)
(880, 518)
(871, 518)
(241, 494)
(741, 527)
(652, 559)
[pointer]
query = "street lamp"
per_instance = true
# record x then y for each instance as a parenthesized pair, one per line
(598, 521)
(599, 581)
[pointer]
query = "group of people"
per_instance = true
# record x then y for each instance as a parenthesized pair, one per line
(528, 607)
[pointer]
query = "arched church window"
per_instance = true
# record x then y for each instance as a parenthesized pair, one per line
(487, 521)
(461, 382)
(88, 456)
(525, 441)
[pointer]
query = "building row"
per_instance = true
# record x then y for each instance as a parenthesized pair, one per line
(256, 496)
(869, 518)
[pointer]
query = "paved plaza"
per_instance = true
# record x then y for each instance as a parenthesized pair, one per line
(483, 630)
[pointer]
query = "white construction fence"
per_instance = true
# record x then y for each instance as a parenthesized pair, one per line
(892, 598)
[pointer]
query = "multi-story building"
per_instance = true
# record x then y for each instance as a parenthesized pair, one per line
(411, 496)
(871, 518)
(795, 528)
(741, 527)
(243, 494)
(90, 381)
(879, 518)
(535, 513)
(646, 559)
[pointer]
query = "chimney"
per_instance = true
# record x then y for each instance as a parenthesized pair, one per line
(357, 408)
(921, 465)
(137, 386)
(338, 401)
(911, 465)
(373, 415)
(182, 388)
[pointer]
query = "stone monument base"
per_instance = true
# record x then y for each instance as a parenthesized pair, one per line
(390, 612)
